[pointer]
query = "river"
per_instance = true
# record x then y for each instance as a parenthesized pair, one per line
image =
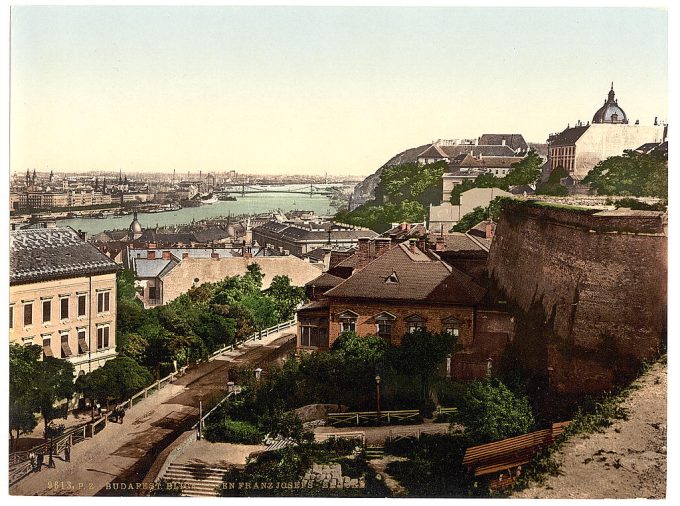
(253, 203)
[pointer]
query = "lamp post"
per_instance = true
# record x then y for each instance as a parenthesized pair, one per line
(258, 374)
(377, 396)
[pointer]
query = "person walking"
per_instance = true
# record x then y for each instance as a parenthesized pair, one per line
(41, 459)
(121, 414)
(50, 461)
(31, 457)
(67, 453)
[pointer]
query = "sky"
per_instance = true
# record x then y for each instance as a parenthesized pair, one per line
(308, 90)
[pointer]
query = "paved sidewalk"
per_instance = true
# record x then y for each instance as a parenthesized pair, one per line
(122, 453)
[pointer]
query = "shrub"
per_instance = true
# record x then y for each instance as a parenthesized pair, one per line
(232, 431)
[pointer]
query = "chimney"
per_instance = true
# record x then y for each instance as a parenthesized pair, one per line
(382, 245)
(489, 229)
(412, 245)
(421, 245)
(214, 254)
(503, 142)
(166, 255)
(440, 245)
(150, 255)
(363, 252)
(185, 255)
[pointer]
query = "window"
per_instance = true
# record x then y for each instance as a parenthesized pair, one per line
(82, 342)
(348, 325)
(82, 304)
(47, 310)
(414, 322)
(452, 325)
(28, 314)
(152, 292)
(348, 321)
(384, 324)
(103, 301)
(65, 349)
(64, 308)
(311, 335)
(11, 317)
(103, 337)
(47, 347)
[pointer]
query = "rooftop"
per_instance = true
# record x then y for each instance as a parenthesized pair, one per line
(53, 253)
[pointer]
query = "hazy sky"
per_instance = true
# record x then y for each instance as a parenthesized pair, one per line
(308, 90)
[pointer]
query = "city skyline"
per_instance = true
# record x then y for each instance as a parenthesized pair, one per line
(306, 90)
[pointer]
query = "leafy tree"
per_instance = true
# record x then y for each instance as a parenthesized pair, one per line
(479, 214)
(481, 181)
(53, 380)
(421, 353)
(116, 380)
(403, 194)
(490, 412)
(23, 361)
(286, 296)
(125, 284)
(639, 175)
(132, 345)
(263, 310)
(526, 171)
(553, 186)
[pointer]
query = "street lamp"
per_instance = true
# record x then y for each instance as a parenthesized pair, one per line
(377, 396)
(258, 374)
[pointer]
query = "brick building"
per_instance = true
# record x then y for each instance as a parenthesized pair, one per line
(62, 296)
(397, 288)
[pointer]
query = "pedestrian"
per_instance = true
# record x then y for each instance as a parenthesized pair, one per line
(121, 414)
(67, 453)
(31, 457)
(99, 409)
(41, 458)
(50, 461)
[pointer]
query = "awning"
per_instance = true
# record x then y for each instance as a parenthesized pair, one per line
(65, 350)
(47, 351)
(82, 345)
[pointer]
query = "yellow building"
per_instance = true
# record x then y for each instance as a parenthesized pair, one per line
(62, 296)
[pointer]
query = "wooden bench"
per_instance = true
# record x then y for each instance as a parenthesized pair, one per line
(510, 453)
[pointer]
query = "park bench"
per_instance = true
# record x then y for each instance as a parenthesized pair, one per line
(357, 417)
(509, 454)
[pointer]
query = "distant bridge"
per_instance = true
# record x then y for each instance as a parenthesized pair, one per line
(310, 190)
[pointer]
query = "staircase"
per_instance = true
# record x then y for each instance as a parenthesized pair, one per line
(195, 480)
(375, 452)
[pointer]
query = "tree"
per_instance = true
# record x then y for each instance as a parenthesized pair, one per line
(23, 361)
(286, 296)
(636, 174)
(263, 310)
(526, 171)
(421, 353)
(53, 379)
(490, 411)
(554, 186)
(479, 214)
(132, 345)
(116, 380)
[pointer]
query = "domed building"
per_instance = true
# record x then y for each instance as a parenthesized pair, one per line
(610, 112)
(135, 230)
(579, 148)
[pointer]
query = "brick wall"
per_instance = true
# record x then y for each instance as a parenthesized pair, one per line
(594, 276)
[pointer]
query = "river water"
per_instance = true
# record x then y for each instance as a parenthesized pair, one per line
(253, 203)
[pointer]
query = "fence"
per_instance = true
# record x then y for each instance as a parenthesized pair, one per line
(342, 435)
(414, 433)
(356, 418)
(252, 337)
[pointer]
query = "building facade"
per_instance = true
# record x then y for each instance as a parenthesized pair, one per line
(578, 149)
(62, 297)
